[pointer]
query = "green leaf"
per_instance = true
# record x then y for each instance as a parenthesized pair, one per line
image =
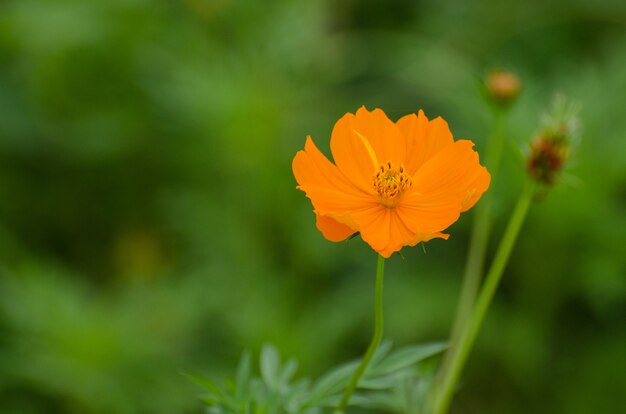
(380, 401)
(288, 372)
(207, 384)
(296, 396)
(333, 400)
(215, 410)
(406, 357)
(270, 365)
(333, 381)
(383, 382)
(209, 399)
(338, 378)
(380, 354)
(243, 376)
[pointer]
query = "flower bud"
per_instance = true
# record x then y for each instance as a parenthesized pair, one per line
(547, 156)
(502, 87)
(551, 147)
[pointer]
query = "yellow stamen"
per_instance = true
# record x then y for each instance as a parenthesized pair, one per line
(390, 182)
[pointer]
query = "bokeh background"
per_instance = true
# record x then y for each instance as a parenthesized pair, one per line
(150, 225)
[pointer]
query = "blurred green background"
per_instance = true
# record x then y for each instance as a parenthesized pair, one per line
(149, 221)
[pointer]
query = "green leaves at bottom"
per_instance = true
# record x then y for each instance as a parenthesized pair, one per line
(395, 382)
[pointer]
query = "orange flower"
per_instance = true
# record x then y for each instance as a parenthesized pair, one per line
(397, 184)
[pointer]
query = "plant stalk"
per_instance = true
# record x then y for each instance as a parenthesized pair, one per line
(378, 335)
(468, 335)
(481, 228)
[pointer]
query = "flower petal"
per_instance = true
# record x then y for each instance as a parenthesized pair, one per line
(373, 224)
(383, 135)
(385, 231)
(329, 190)
(332, 229)
(477, 188)
(399, 234)
(443, 187)
(424, 237)
(424, 139)
(361, 142)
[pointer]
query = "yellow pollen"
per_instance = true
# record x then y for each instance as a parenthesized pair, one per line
(390, 182)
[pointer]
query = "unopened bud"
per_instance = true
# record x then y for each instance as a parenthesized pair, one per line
(502, 86)
(547, 157)
(551, 147)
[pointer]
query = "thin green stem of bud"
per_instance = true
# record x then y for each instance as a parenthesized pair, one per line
(378, 335)
(479, 239)
(480, 228)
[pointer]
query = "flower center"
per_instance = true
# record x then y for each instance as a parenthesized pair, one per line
(390, 182)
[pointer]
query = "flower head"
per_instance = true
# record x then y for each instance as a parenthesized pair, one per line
(397, 184)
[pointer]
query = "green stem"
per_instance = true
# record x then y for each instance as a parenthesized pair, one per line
(480, 230)
(378, 335)
(469, 333)
(479, 238)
